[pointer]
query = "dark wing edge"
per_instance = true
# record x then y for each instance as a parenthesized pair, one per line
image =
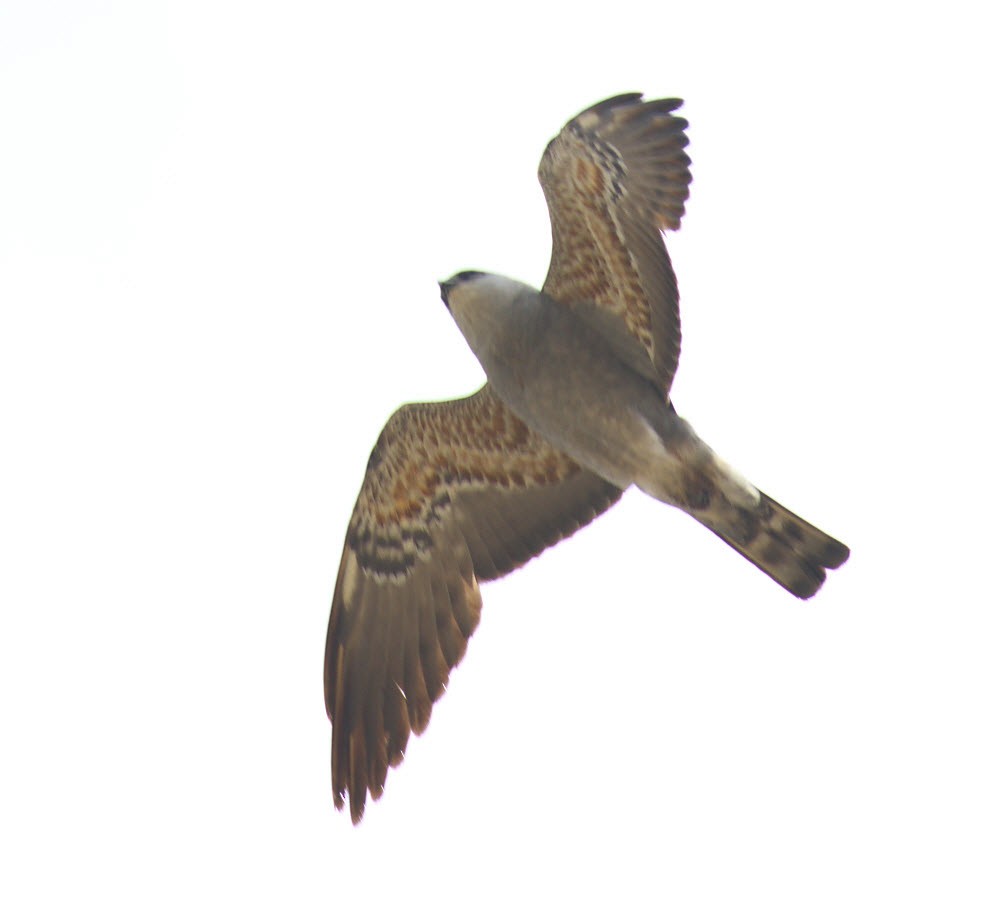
(614, 177)
(455, 493)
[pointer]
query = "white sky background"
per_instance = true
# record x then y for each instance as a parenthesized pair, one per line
(221, 227)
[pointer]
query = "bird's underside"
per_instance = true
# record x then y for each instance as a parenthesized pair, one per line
(460, 492)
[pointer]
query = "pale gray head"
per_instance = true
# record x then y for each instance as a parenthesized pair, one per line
(481, 303)
(455, 281)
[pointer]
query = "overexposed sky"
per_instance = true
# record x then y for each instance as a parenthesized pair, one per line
(221, 228)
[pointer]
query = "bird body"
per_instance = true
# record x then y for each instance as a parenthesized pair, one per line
(576, 409)
(561, 376)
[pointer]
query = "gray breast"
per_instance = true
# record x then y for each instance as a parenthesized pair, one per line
(568, 383)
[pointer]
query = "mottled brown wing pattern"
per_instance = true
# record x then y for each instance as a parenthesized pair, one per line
(455, 492)
(615, 176)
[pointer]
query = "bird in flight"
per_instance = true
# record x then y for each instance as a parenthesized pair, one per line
(575, 410)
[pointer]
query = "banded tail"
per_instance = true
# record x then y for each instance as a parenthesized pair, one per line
(794, 553)
(685, 472)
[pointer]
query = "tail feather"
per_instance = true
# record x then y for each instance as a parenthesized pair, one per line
(682, 470)
(794, 553)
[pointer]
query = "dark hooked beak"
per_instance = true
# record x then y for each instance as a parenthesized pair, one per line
(444, 292)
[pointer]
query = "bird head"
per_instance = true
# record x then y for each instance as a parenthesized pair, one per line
(481, 304)
(447, 288)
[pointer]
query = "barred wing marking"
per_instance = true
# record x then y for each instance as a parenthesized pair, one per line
(455, 492)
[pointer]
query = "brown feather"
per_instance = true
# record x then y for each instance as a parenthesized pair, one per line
(416, 690)
(397, 724)
(372, 708)
(357, 773)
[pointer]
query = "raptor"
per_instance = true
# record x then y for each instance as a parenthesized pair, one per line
(576, 409)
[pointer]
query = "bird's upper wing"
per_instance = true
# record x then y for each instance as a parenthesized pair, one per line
(614, 177)
(455, 492)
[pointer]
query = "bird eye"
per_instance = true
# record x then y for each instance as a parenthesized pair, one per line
(468, 275)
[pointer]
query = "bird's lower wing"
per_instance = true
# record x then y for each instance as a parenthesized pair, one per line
(455, 492)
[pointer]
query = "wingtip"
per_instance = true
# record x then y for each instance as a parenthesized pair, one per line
(664, 105)
(615, 101)
(633, 100)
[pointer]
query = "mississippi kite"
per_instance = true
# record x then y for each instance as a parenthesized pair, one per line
(576, 409)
